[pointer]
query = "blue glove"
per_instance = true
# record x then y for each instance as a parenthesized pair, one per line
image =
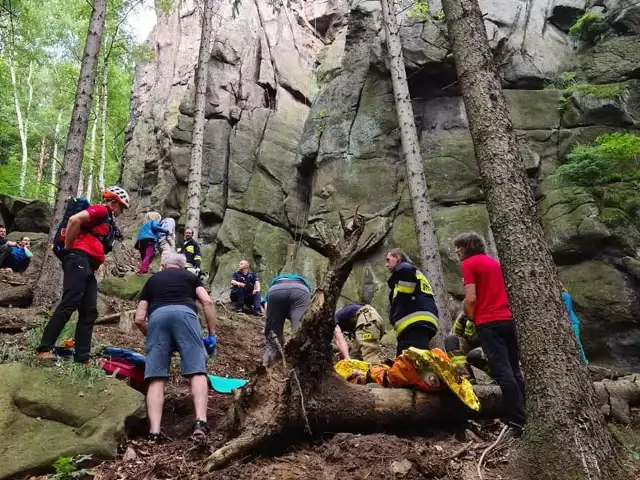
(210, 343)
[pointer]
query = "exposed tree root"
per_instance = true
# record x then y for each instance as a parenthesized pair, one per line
(340, 406)
(16, 296)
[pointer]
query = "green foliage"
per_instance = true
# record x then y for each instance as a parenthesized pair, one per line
(50, 37)
(613, 157)
(441, 17)
(420, 11)
(563, 81)
(67, 468)
(587, 27)
(164, 6)
(606, 90)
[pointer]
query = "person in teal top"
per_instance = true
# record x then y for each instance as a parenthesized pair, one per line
(288, 297)
(575, 321)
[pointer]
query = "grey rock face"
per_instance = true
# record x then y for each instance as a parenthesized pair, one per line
(301, 126)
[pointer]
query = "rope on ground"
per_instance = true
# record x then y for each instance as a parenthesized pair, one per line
(491, 447)
(307, 425)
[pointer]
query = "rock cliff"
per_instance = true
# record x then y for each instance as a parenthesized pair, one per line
(301, 125)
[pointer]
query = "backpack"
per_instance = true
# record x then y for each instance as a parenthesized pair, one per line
(124, 370)
(76, 205)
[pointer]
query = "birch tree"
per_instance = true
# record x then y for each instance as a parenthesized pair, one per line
(195, 165)
(21, 119)
(54, 161)
(566, 436)
(423, 218)
(103, 128)
(92, 156)
(43, 151)
(45, 292)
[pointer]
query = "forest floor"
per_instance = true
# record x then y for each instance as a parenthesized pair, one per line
(444, 455)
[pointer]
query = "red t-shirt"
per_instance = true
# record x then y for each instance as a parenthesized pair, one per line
(89, 243)
(492, 303)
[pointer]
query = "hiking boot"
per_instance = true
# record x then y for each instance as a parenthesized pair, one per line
(258, 313)
(238, 308)
(200, 431)
(46, 356)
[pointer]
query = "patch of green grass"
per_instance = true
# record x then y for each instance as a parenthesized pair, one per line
(67, 468)
(10, 353)
(606, 90)
(79, 374)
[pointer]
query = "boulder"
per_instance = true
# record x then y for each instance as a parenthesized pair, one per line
(608, 306)
(615, 104)
(127, 288)
(45, 415)
(570, 219)
(614, 59)
(34, 217)
(565, 13)
(624, 16)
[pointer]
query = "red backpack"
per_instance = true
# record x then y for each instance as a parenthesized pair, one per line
(125, 370)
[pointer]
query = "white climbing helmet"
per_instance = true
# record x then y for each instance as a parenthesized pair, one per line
(117, 193)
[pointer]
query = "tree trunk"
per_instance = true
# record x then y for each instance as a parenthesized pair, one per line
(92, 154)
(566, 436)
(425, 226)
(279, 400)
(53, 191)
(21, 124)
(103, 128)
(195, 166)
(43, 151)
(47, 290)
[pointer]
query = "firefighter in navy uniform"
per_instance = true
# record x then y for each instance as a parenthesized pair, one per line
(191, 250)
(413, 314)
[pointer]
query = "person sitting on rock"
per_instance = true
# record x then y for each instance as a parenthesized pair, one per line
(463, 346)
(575, 321)
(148, 237)
(245, 289)
(413, 312)
(191, 250)
(364, 327)
(19, 256)
(5, 247)
(288, 296)
(168, 301)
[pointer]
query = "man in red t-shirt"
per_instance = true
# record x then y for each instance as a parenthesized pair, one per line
(487, 305)
(88, 239)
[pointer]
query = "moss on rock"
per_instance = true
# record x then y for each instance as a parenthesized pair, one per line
(127, 288)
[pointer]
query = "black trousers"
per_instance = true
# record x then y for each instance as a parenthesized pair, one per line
(80, 292)
(417, 335)
(500, 345)
(5, 256)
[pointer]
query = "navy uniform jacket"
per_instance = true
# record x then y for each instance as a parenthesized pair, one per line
(411, 298)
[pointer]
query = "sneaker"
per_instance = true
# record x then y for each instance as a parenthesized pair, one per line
(46, 356)
(200, 431)
(258, 313)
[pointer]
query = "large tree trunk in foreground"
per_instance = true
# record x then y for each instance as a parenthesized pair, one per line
(425, 226)
(195, 166)
(47, 290)
(566, 435)
(279, 400)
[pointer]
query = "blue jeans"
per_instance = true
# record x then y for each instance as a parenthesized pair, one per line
(242, 297)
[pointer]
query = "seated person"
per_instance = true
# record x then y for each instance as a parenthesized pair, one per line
(364, 327)
(18, 256)
(245, 289)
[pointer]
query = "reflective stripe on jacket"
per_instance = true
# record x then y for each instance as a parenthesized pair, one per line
(410, 297)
